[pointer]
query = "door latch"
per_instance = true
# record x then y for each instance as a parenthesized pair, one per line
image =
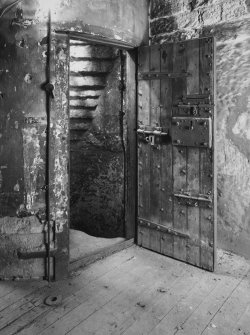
(150, 139)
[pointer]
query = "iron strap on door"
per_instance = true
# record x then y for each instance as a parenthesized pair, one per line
(176, 151)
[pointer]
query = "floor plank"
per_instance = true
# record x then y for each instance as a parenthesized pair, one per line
(79, 280)
(104, 290)
(197, 321)
(243, 325)
(144, 291)
(134, 292)
(231, 311)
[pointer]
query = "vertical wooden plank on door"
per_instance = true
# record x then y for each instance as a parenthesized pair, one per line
(206, 159)
(155, 166)
(167, 240)
(143, 148)
(59, 147)
(179, 211)
(179, 155)
(193, 158)
(206, 215)
(193, 213)
(131, 164)
(143, 87)
(193, 59)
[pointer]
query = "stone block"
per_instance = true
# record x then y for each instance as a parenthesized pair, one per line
(163, 25)
(199, 15)
(160, 8)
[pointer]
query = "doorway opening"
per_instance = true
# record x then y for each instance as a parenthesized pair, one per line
(97, 150)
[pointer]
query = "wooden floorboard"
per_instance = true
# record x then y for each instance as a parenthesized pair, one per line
(133, 292)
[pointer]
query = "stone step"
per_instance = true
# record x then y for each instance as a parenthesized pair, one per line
(94, 94)
(91, 66)
(80, 124)
(79, 102)
(86, 88)
(82, 114)
(87, 81)
(90, 51)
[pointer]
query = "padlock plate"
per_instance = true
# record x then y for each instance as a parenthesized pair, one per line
(192, 132)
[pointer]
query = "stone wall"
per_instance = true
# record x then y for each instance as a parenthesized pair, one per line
(229, 22)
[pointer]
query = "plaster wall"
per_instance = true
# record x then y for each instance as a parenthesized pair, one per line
(125, 20)
(229, 22)
(22, 141)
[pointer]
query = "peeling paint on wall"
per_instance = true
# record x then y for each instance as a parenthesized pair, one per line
(22, 150)
(242, 126)
(34, 167)
(23, 118)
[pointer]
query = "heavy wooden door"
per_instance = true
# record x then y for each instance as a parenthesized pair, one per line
(176, 151)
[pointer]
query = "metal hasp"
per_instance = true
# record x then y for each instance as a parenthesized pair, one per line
(153, 136)
(192, 132)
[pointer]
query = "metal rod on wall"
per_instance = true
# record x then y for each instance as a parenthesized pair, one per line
(49, 94)
(149, 19)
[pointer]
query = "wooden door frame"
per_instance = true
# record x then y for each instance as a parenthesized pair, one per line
(130, 110)
(131, 164)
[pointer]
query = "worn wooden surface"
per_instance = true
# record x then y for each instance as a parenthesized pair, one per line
(58, 152)
(131, 152)
(173, 165)
(134, 292)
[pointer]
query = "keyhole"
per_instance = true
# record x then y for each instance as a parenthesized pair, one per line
(152, 140)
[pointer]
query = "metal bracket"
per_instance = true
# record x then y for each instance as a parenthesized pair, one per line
(30, 254)
(194, 201)
(161, 228)
(161, 75)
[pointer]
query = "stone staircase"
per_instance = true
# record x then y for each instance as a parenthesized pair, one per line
(89, 69)
(96, 146)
